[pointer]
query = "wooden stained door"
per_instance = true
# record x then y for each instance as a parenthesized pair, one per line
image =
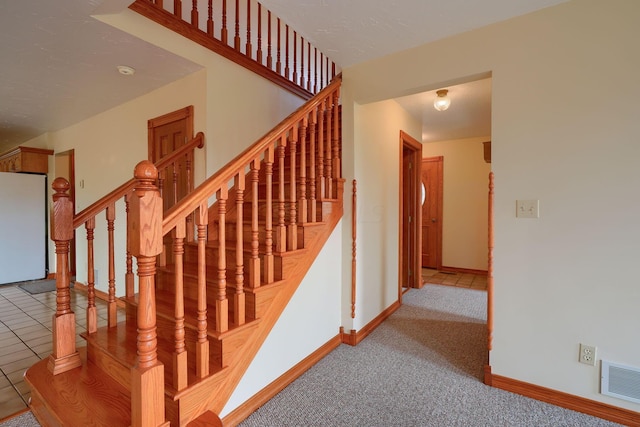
(167, 133)
(410, 155)
(432, 212)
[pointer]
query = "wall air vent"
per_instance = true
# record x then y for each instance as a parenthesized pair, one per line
(620, 381)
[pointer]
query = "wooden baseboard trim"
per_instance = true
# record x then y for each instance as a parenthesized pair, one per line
(463, 270)
(564, 400)
(260, 398)
(51, 275)
(353, 337)
(79, 286)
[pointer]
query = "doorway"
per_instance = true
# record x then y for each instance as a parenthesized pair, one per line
(410, 214)
(431, 227)
(64, 167)
(167, 133)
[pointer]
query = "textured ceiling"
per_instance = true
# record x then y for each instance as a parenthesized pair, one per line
(58, 67)
(58, 64)
(354, 31)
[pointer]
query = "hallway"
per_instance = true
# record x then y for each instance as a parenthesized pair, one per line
(459, 280)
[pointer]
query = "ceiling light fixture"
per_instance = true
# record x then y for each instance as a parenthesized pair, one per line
(125, 70)
(442, 101)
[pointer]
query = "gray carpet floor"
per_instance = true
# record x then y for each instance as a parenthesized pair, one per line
(422, 367)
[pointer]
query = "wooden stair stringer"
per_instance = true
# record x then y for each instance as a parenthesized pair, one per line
(296, 271)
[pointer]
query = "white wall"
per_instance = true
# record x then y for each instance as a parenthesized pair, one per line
(374, 163)
(310, 320)
(564, 131)
(465, 201)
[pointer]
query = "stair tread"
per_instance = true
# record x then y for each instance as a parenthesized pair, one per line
(80, 396)
(120, 343)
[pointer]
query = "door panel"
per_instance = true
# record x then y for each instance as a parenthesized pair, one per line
(432, 212)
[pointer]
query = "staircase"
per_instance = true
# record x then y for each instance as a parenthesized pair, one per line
(212, 280)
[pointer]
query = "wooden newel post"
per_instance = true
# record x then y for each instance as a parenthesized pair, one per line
(64, 355)
(145, 243)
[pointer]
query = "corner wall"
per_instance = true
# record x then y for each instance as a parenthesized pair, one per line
(564, 131)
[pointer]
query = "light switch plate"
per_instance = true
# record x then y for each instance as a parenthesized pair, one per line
(527, 208)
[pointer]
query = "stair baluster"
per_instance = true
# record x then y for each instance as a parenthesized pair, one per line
(128, 276)
(92, 315)
(292, 227)
(112, 318)
(312, 166)
(337, 167)
(202, 346)
(254, 265)
(180, 353)
(328, 152)
(281, 228)
(268, 241)
(222, 303)
(239, 297)
(320, 182)
(302, 186)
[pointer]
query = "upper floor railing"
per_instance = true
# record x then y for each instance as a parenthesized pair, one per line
(247, 33)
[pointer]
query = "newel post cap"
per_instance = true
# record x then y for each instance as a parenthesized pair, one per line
(145, 219)
(62, 216)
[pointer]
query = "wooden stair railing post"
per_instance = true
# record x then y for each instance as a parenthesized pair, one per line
(268, 228)
(202, 345)
(320, 183)
(92, 315)
(292, 227)
(328, 151)
(222, 302)
(128, 276)
(337, 174)
(239, 297)
(64, 355)
(254, 265)
(180, 352)
(312, 166)
(112, 314)
(281, 228)
(302, 187)
(145, 234)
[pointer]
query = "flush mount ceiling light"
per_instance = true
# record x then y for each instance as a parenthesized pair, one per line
(442, 101)
(126, 70)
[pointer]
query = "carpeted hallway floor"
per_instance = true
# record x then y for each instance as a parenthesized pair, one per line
(421, 367)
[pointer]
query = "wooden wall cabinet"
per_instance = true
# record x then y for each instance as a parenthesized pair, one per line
(25, 159)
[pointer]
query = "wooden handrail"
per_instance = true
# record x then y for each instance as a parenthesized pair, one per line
(92, 210)
(192, 201)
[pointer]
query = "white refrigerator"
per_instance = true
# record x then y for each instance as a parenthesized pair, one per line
(23, 227)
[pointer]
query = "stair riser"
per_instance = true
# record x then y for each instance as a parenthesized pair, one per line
(191, 257)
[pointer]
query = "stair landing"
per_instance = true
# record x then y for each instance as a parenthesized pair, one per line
(84, 396)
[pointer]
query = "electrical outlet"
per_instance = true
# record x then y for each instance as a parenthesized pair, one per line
(587, 355)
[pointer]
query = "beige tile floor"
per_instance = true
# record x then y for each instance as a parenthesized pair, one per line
(461, 280)
(25, 338)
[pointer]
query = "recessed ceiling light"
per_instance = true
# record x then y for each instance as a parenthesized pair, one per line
(126, 70)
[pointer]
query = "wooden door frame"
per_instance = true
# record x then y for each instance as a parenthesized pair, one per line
(440, 184)
(410, 143)
(181, 114)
